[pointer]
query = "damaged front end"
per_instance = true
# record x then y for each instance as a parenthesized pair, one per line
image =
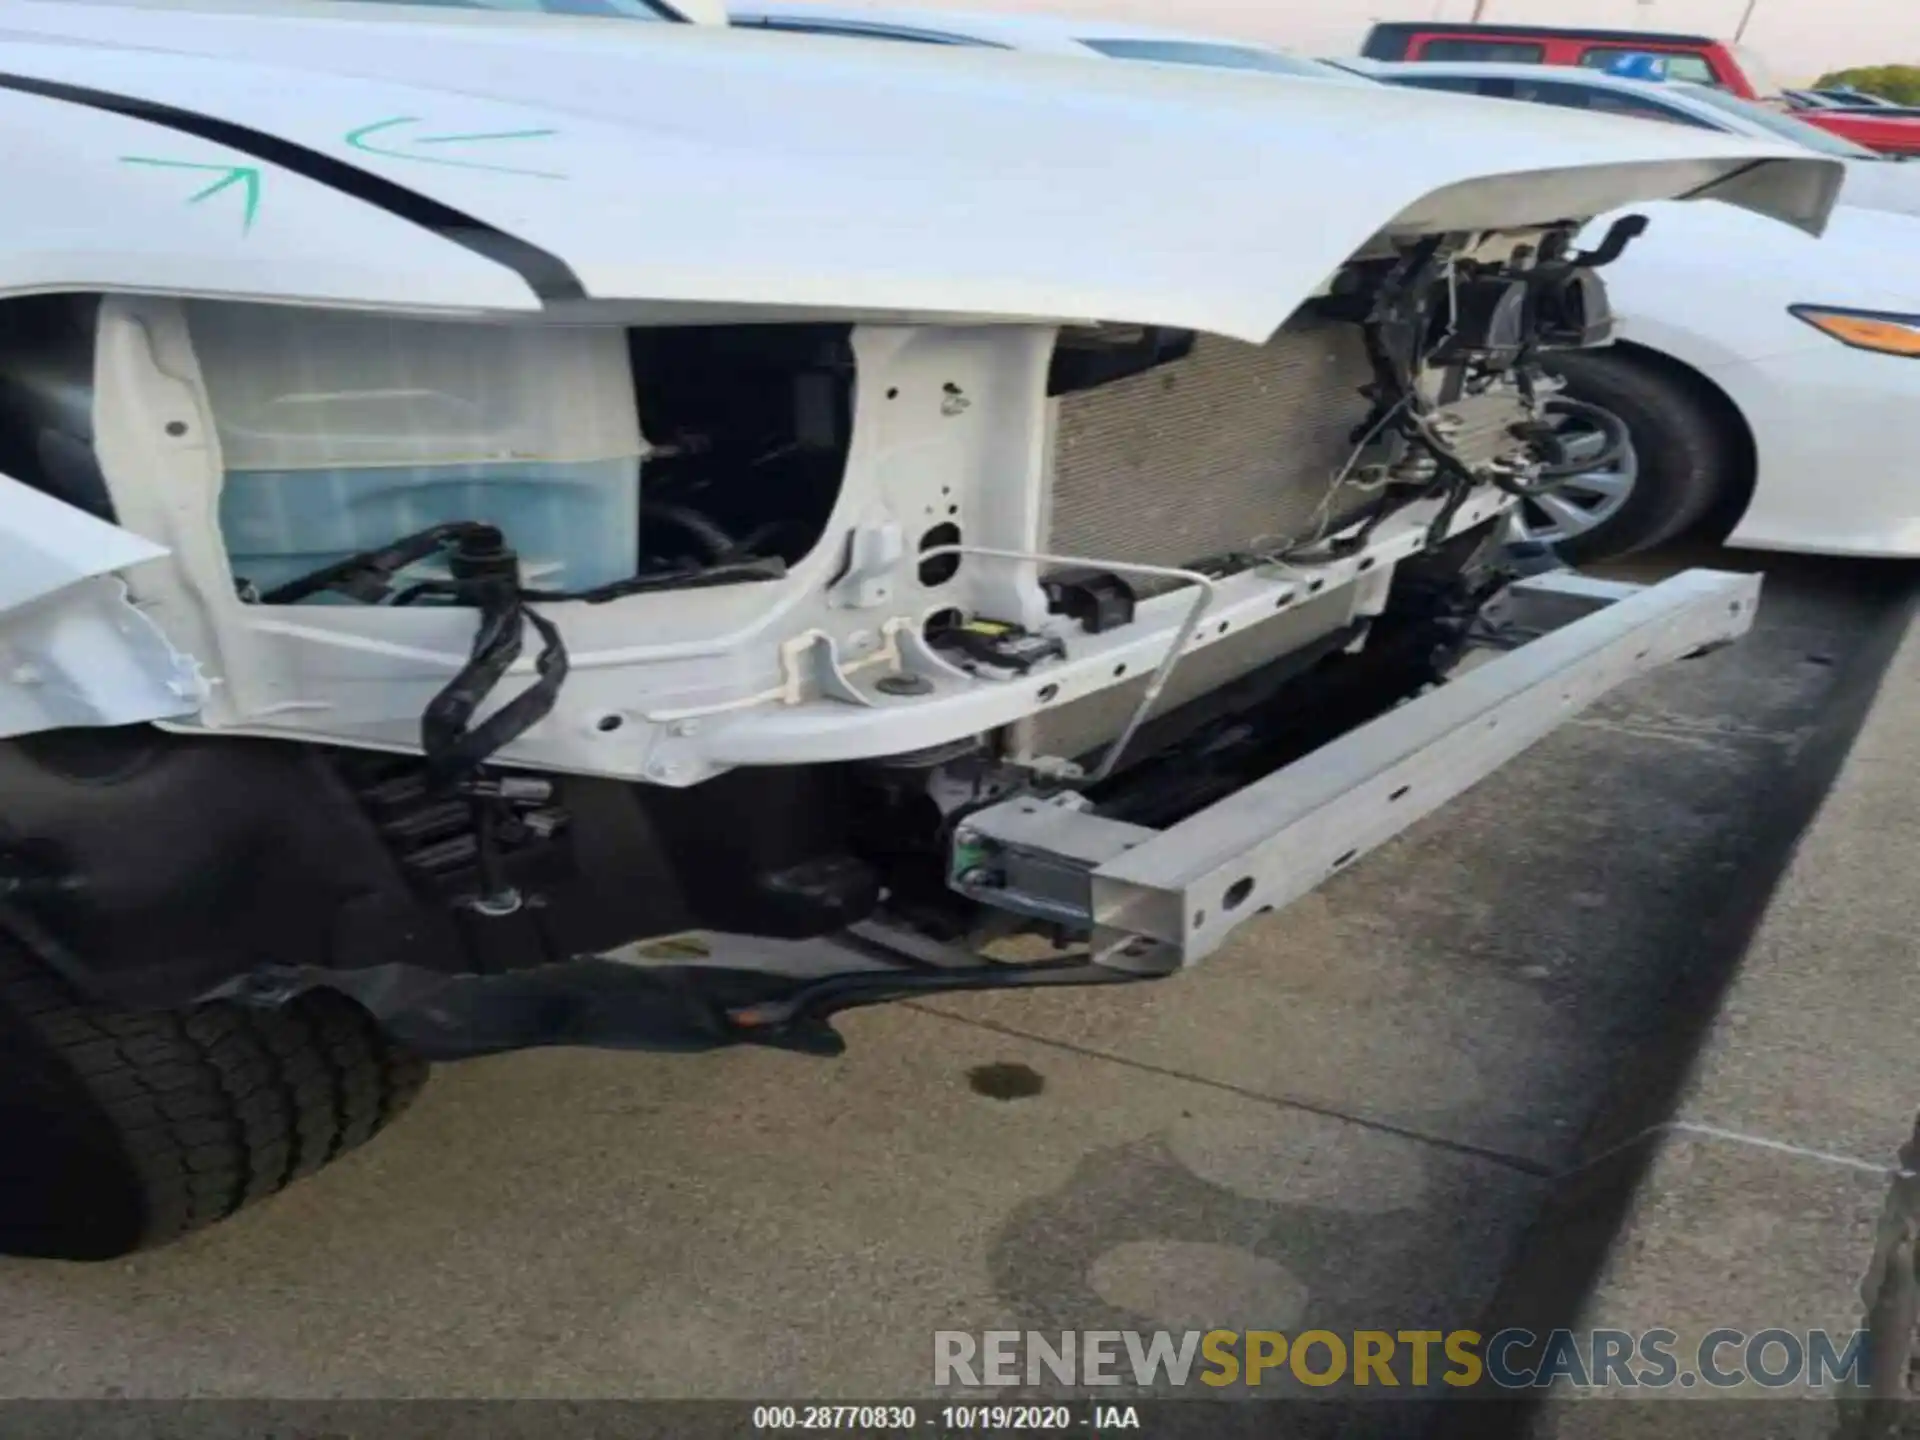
(830, 652)
(636, 643)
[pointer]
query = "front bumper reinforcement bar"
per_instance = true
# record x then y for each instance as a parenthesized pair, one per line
(1160, 899)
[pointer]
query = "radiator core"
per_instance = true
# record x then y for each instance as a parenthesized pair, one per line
(1236, 447)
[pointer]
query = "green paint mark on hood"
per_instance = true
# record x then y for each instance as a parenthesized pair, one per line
(245, 176)
(362, 138)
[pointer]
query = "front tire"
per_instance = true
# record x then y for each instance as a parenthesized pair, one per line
(1682, 462)
(121, 1131)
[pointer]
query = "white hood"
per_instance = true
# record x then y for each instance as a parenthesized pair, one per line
(458, 160)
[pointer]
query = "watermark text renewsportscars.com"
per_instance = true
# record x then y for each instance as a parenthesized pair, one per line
(1723, 1359)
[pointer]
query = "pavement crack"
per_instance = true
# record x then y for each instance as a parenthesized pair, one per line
(1734, 1137)
(1692, 731)
(1521, 1163)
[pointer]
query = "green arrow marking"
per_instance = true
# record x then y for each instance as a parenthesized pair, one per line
(246, 176)
(363, 139)
(492, 135)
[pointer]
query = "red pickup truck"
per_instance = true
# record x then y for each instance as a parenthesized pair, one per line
(1697, 58)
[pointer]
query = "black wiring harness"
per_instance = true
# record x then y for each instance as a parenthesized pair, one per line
(1400, 328)
(1397, 327)
(483, 572)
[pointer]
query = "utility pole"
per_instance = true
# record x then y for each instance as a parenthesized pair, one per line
(1746, 20)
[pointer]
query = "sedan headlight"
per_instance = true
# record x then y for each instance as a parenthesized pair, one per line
(1865, 329)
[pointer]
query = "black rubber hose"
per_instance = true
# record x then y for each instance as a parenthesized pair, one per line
(718, 544)
(367, 576)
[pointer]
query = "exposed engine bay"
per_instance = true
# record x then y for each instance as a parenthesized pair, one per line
(743, 622)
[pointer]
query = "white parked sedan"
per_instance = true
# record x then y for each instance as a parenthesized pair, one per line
(1769, 387)
(1769, 382)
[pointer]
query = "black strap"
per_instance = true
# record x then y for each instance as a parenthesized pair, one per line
(454, 748)
(486, 576)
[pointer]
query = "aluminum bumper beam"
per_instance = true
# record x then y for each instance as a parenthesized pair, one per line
(1160, 898)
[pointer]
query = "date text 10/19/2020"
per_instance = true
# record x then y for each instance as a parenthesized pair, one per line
(946, 1419)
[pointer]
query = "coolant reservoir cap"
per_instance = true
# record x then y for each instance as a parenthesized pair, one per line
(482, 554)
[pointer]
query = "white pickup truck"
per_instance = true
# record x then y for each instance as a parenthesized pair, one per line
(557, 528)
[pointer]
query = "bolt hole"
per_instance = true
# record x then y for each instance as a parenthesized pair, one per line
(893, 393)
(176, 427)
(1401, 793)
(607, 724)
(1238, 892)
(1199, 918)
(1367, 564)
(1118, 671)
(1049, 693)
(1314, 587)
(1284, 599)
(1224, 626)
(1343, 859)
(953, 509)
(939, 569)
(1735, 608)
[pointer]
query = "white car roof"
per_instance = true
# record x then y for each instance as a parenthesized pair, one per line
(1674, 92)
(1057, 34)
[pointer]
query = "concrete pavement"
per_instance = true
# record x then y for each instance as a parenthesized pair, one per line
(1766, 1197)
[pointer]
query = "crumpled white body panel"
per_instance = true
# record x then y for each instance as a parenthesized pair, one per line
(73, 651)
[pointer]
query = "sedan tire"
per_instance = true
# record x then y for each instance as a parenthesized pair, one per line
(1679, 463)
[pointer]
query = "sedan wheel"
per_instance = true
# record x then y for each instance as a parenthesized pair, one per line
(1588, 499)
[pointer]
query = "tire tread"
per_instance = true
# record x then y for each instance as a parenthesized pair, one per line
(219, 1106)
